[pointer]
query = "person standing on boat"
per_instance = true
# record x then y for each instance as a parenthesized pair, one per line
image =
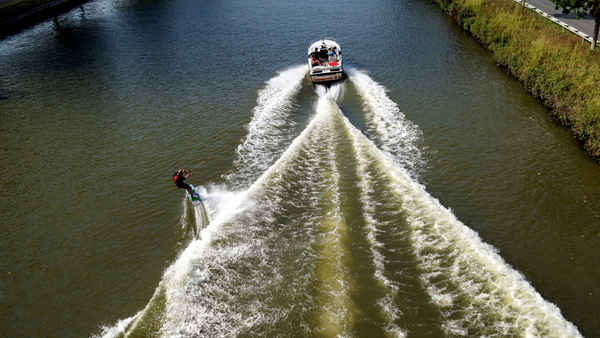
(332, 54)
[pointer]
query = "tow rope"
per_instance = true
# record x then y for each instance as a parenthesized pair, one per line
(213, 155)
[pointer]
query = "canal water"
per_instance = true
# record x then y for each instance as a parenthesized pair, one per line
(426, 195)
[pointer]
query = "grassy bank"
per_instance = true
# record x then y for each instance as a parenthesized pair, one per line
(552, 63)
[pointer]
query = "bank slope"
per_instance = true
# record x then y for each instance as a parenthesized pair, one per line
(553, 64)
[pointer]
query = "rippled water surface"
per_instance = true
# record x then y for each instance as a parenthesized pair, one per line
(426, 195)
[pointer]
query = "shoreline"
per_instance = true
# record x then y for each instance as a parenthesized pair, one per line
(552, 64)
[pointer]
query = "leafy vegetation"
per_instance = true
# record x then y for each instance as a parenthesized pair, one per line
(553, 64)
(582, 8)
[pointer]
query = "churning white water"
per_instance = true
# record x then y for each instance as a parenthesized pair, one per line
(331, 235)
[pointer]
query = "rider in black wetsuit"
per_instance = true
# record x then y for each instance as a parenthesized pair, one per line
(179, 176)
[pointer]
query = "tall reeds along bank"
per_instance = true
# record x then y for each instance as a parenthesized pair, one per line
(552, 63)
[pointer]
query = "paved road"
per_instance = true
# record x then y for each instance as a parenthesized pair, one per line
(584, 25)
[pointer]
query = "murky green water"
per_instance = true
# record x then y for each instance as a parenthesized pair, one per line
(365, 211)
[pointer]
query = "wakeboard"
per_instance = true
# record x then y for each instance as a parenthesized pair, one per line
(195, 197)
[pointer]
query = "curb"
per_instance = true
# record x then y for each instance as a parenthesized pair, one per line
(558, 22)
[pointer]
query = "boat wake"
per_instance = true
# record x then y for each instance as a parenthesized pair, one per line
(330, 234)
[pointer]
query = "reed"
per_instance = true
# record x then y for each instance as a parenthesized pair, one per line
(552, 63)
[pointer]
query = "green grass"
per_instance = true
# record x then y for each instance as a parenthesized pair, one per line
(552, 63)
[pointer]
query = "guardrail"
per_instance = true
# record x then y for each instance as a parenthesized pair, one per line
(558, 22)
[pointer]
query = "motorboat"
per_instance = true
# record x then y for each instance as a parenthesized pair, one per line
(325, 60)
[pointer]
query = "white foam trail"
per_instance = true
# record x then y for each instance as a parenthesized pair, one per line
(267, 131)
(386, 125)
(118, 329)
(472, 287)
(335, 303)
(190, 269)
(465, 277)
(270, 128)
(337, 307)
(282, 162)
(390, 310)
(123, 328)
(320, 89)
(336, 91)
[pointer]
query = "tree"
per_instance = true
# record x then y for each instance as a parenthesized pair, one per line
(582, 8)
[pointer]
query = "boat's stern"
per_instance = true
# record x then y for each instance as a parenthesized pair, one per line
(326, 74)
